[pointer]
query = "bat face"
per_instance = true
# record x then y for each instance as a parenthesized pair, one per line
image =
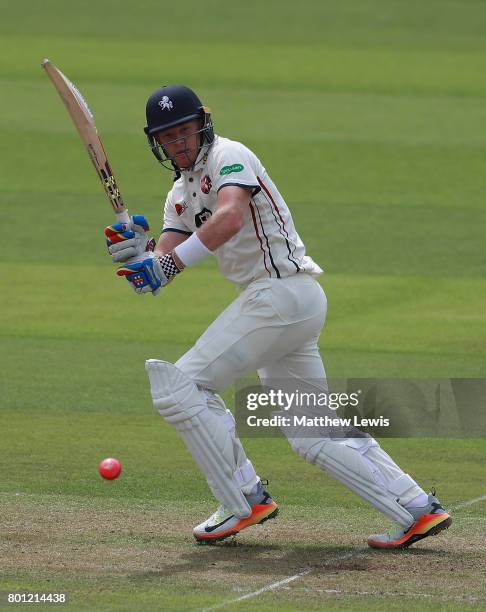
(84, 121)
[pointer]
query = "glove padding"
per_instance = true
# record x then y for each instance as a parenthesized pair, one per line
(127, 240)
(149, 272)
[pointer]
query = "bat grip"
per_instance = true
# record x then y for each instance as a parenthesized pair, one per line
(123, 217)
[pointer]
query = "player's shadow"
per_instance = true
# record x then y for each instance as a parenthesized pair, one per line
(255, 558)
(278, 561)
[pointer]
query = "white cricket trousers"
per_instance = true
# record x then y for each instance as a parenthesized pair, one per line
(273, 324)
(273, 327)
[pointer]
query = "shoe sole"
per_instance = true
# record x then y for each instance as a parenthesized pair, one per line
(414, 536)
(210, 539)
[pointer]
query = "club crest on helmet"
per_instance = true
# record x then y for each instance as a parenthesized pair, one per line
(166, 103)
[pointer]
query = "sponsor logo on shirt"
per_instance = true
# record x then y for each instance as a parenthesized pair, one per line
(180, 208)
(229, 169)
(206, 184)
(202, 217)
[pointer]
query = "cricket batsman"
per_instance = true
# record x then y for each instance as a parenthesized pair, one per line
(224, 204)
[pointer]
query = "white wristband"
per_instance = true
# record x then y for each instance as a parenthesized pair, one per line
(191, 251)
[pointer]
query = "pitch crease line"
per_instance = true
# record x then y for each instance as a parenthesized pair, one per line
(276, 585)
(280, 583)
(469, 503)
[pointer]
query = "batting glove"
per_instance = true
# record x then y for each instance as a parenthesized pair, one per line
(149, 273)
(127, 240)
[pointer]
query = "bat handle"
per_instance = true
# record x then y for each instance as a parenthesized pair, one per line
(123, 217)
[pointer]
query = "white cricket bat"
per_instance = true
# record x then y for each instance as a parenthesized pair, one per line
(84, 121)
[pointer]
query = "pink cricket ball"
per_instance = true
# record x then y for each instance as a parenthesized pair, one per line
(110, 468)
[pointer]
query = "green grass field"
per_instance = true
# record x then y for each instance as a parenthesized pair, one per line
(371, 118)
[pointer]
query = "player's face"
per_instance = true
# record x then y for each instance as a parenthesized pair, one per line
(181, 142)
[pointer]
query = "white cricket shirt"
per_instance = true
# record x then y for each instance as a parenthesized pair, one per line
(268, 244)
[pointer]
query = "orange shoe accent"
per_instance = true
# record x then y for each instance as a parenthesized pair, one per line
(259, 514)
(427, 525)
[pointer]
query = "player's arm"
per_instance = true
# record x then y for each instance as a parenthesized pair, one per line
(228, 218)
(225, 223)
(169, 240)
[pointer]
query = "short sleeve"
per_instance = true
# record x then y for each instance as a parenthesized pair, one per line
(234, 164)
(172, 220)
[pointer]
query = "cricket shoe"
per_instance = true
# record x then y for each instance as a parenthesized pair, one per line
(223, 523)
(429, 520)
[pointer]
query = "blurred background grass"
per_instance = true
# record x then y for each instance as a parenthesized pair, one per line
(368, 115)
